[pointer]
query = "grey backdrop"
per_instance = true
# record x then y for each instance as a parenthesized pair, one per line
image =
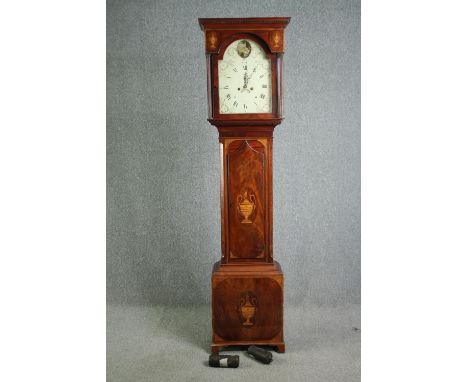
(163, 156)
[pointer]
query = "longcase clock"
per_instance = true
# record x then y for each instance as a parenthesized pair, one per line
(245, 103)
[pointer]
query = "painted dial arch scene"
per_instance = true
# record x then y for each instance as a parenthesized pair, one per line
(244, 79)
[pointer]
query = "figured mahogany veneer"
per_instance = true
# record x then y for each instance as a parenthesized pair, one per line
(247, 284)
(246, 176)
(247, 305)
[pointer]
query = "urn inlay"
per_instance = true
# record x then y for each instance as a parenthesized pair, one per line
(246, 206)
(248, 305)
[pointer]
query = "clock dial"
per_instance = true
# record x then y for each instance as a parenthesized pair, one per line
(244, 79)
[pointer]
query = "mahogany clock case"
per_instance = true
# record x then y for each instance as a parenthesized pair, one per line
(247, 284)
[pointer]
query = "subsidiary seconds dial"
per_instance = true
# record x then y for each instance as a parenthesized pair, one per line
(244, 79)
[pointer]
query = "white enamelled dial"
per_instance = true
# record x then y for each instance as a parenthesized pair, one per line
(244, 79)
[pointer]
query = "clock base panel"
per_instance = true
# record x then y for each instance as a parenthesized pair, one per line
(247, 305)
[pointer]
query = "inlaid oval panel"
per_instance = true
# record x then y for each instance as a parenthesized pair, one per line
(247, 308)
(246, 199)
